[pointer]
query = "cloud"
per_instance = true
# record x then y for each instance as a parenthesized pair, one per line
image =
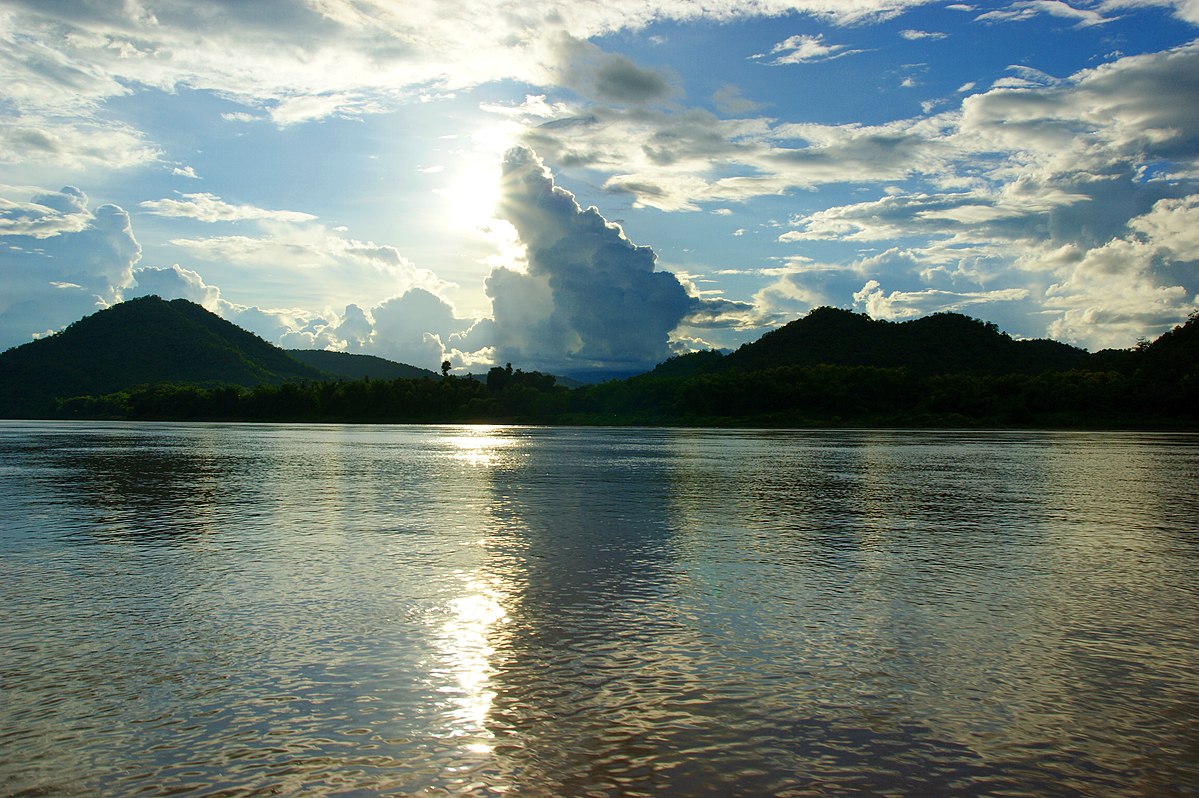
(1172, 227)
(45, 215)
(609, 77)
(416, 327)
(1186, 10)
(177, 282)
(588, 298)
(210, 208)
(676, 160)
(32, 140)
(60, 261)
(918, 35)
(1027, 9)
(729, 100)
(910, 304)
(802, 49)
(1110, 295)
(299, 261)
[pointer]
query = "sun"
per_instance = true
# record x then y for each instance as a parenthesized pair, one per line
(472, 190)
(471, 196)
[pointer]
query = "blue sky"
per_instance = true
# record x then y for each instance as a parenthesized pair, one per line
(575, 186)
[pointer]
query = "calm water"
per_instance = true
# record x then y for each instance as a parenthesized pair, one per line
(242, 609)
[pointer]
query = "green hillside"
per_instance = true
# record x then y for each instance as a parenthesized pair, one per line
(143, 341)
(357, 367)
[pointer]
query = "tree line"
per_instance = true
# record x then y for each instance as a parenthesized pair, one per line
(819, 395)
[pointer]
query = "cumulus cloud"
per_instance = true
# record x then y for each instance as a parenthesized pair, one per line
(1172, 227)
(177, 282)
(60, 261)
(588, 296)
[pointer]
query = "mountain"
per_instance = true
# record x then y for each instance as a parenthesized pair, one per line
(141, 341)
(357, 367)
(939, 344)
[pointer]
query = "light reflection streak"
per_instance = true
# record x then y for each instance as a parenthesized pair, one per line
(483, 446)
(472, 635)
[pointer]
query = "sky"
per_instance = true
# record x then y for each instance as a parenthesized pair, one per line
(577, 186)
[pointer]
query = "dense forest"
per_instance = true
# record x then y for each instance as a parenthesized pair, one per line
(830, 368)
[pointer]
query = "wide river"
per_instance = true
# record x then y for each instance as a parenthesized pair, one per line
(196, 609)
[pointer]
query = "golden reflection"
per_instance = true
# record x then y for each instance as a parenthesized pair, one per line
(466, 636)
(481, 446)
(471, 634)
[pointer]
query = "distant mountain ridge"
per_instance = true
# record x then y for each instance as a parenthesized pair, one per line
(356, 367)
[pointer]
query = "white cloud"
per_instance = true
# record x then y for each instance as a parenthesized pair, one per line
(918, 35)
(1187, 10)
(211, 208)
(300, 61)
(803, 48)
(1112, 294)
(1172, 227)
(45, 215)
(910, 304)
(70, 145)
(1028, 9)
(308, 264)
(177, 282)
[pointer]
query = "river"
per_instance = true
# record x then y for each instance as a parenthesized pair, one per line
(199, 609)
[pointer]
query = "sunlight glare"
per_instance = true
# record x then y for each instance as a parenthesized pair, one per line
(481, 448)
(473, 191)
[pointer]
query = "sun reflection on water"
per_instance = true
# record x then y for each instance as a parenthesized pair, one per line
(471, 630)
(466, 637)
(481, 446)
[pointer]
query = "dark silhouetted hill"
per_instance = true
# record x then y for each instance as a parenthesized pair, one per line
(689, 364)
(143, 341)
(357, 367)
(944, 343)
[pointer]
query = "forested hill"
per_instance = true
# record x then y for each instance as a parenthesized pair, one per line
(142, 341)
(944, 343)
(356, 367)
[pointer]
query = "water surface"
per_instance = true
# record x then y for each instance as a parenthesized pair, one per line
(357, 610)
